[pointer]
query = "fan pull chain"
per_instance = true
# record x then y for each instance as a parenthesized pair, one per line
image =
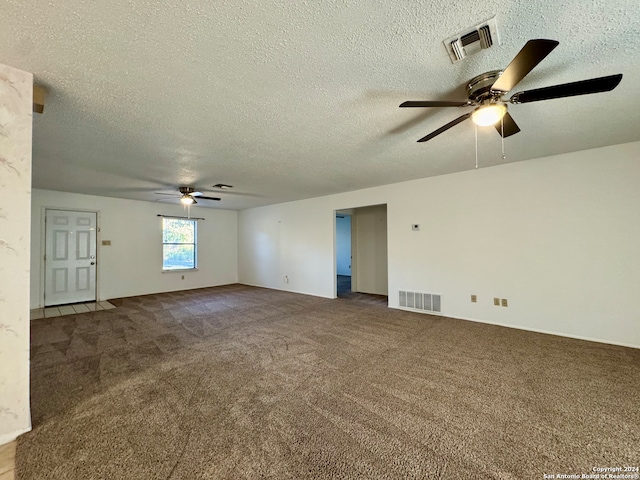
(502, 136)
(475, 129)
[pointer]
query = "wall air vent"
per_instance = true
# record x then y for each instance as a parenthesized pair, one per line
(472, 40)
(427, 302)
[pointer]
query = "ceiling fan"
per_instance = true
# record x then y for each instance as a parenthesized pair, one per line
(188, 195)
(485, 91)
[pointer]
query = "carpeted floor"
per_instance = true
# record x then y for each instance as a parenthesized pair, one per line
(343, 283)
(238, 382)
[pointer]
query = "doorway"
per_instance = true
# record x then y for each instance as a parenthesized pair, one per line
(70, 257)
(343, 254)
(368, 253)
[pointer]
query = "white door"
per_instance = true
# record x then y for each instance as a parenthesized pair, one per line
(70, 257)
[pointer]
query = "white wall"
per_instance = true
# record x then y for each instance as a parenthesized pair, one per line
(16, 99)
(557, 236)
(132, 265)
(291, 239)
(371, 249)
(343, 245)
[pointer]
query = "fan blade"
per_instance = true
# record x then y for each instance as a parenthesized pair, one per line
(172, 194)
(196, 194)
(446, 127)
(583, 87)
(427, 103)
(508, 127)
(202, 197)
(526, 60)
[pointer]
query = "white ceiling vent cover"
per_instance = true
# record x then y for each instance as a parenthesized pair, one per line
(472, 40)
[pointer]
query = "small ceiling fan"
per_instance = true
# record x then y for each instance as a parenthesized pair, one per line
(188, 195)
(485, 91)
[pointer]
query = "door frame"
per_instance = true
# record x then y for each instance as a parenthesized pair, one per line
(353, 212)
(43, 249)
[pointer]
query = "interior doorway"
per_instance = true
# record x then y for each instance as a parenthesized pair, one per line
(70, 257)
(365, 230)
(343, 253)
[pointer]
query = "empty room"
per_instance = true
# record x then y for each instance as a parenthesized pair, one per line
(297, 240)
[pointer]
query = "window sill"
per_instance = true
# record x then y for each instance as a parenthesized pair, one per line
(178, 270)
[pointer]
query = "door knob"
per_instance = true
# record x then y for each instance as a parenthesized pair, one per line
(93, 263)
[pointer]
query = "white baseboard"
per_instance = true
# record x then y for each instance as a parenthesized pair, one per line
(10, 437)
(536, 330)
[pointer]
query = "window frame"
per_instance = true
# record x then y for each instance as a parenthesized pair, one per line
(194, 222)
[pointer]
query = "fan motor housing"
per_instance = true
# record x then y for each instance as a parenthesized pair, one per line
(479, 87)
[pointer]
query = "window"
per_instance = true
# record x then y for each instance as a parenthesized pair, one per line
(178, 244)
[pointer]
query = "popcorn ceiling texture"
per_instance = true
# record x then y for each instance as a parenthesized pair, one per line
(287, 100)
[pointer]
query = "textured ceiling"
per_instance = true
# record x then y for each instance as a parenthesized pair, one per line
(290, 99)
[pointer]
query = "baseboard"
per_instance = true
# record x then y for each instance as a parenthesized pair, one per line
(535, 330)
(10, 437)
(286, 290)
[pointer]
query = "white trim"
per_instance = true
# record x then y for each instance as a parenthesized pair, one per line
(535, 330)
(428, 312)
(10, 437)
(285, 290)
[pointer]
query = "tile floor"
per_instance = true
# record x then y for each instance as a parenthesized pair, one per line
(61, 310)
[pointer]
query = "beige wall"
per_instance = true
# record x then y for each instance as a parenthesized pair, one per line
(370, 229)
(132, 264)
(15, 197)
(556, 236)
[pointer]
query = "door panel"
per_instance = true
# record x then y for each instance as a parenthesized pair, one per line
(70, 257)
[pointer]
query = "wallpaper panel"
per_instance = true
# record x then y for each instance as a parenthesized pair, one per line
(16, 90)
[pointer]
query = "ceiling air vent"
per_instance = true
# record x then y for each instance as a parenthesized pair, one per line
(472, 40)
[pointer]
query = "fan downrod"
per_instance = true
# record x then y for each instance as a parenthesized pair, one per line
(479, 87)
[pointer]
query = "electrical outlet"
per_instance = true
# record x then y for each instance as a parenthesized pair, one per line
(182, 277)
(496, 301)
(504, 302)
(286, 279)
(474, 298)
(106, 243)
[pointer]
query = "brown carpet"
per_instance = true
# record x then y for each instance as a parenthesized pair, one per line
(238, 382)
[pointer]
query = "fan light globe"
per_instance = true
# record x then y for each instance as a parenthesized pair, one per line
(186, 200)
(489, 114)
